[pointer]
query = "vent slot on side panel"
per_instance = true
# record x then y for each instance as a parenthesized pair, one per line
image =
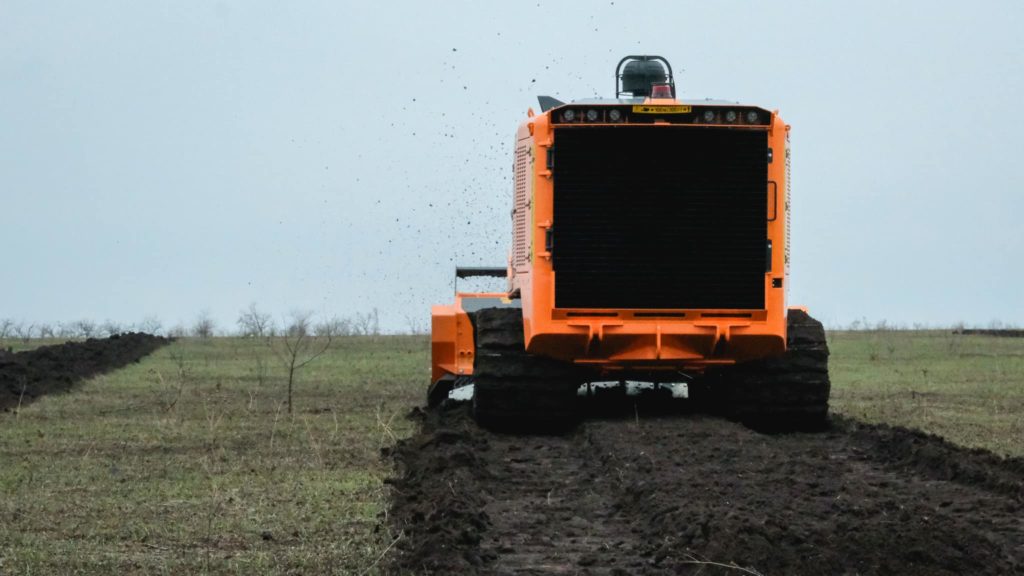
(521, 216)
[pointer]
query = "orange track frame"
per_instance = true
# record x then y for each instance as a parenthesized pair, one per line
(451, 332)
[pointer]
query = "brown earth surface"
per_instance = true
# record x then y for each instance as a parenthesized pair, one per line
(1004, 332)
(697, 494)
(25, 376)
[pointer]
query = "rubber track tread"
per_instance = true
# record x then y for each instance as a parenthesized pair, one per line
(787, 393)
(516, 391)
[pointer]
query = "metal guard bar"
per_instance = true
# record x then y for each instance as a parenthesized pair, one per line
(478, 271)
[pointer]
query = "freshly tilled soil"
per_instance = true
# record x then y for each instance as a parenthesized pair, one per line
(696, 494)
(1003, 332)
(25, 376)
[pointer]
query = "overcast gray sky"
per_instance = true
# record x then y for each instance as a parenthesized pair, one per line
(162, 158)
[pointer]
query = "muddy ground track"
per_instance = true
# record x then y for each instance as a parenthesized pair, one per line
(674, 494)
(26, 376)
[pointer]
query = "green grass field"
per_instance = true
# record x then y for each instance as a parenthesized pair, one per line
(968, 389)
(189, 463)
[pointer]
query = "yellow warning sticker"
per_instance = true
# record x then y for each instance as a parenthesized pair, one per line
(660, 109)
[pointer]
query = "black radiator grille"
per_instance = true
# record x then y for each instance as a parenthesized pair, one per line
(659, 217)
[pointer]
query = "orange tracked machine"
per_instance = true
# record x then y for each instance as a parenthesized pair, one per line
(650, 242)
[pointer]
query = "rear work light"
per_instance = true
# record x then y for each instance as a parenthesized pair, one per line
(724, 115)
(661, 91)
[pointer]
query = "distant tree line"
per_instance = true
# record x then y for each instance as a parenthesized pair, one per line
(252, 322)
(11, 329)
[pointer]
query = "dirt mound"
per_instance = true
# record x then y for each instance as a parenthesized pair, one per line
(25, 376)
(1003, 332)
(691, 493)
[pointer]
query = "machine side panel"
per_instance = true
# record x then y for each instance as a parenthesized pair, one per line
(451, 342)
(442, 341)
(778, 224)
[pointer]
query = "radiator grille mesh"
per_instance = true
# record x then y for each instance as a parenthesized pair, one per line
(659, 217)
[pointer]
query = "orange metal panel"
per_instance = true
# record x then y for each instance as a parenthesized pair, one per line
(451, 336)
(666, 339)
(442, 341)
(618, 339)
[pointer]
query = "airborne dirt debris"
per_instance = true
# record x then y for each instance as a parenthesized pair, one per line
(25, 376)
(692, 493)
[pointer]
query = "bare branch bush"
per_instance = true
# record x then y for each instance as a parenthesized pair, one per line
(204, 325)
(84, 328)
(46, 331)
(254, 324)
(296, 346)
(333, 326)
(6, 327)
(62, 330)
(259, 372)
(366, 324)
(110, 328)
(150, 325)
(955, 340)
(414, 324)
(24, 332)
(169, 392)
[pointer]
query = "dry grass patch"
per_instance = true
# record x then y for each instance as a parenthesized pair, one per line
(969, 389)
(189, 463)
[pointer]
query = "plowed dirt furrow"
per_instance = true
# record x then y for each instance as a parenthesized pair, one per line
(551, 513)
(26, 376)
(695, 494)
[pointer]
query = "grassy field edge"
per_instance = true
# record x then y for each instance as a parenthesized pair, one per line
(189, 462)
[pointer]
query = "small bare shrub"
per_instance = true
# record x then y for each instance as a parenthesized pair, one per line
(150, 325)
(24, 332)
(46, 331)
(296, 346)
(254, 324)
(110, 328)
(367, 324)
(84, 328)
(6, 327)
(415, 324)
(204, 326)
(333, 326)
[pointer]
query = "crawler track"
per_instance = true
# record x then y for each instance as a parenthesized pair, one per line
(670, 495)
(779, 394)
(516, 391)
